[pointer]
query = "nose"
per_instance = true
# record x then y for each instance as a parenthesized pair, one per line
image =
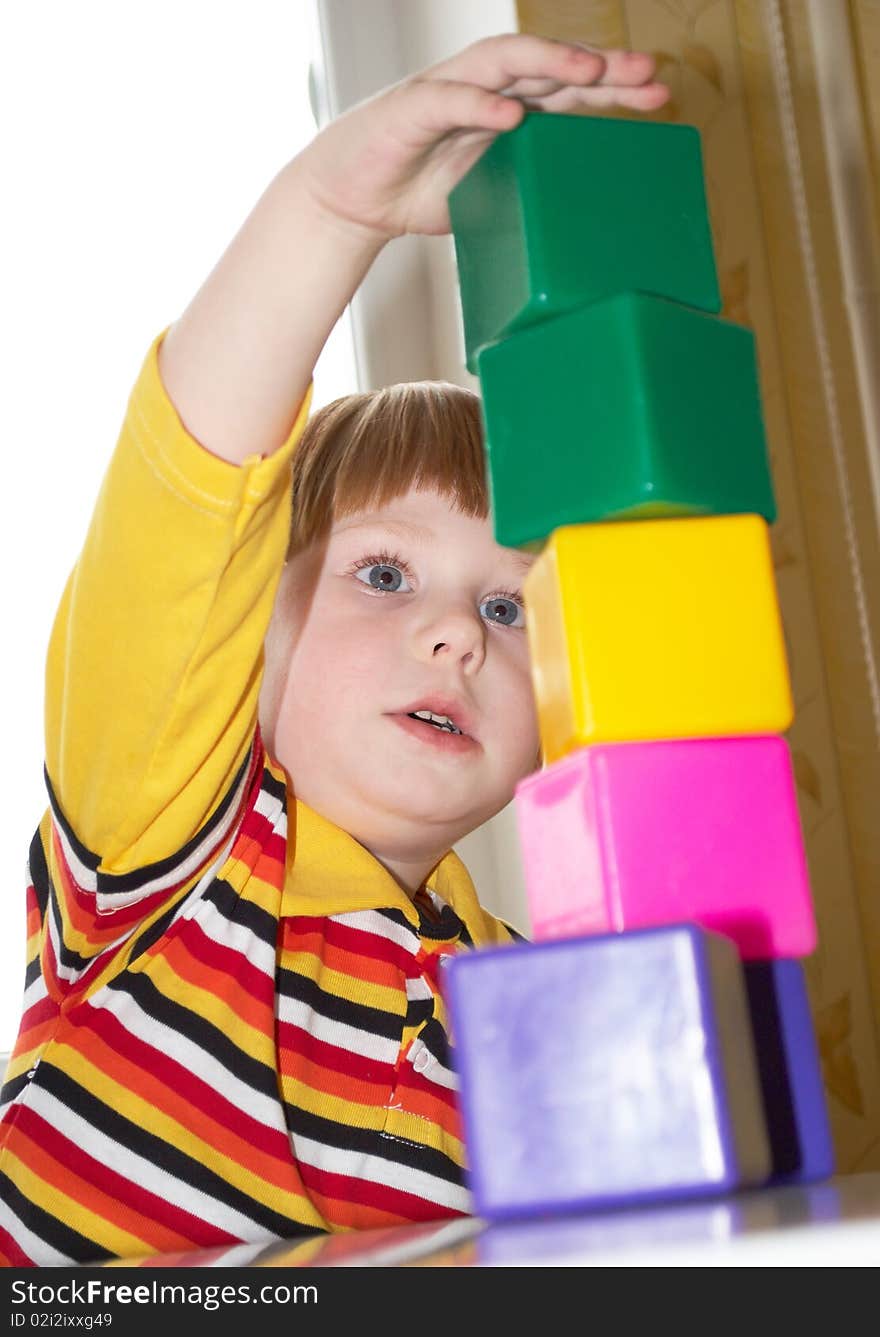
(455, 634)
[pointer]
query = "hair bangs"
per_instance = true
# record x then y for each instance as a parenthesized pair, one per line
(364, 450)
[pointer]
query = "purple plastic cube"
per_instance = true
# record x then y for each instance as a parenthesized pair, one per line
(795, 1110)
(624, 835)
(606, 1070)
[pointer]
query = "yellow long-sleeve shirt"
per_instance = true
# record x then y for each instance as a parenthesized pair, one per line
(232, 1026)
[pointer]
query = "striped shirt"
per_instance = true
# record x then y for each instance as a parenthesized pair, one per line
(233, 1027)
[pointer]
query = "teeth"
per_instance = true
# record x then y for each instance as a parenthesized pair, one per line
(442, 721)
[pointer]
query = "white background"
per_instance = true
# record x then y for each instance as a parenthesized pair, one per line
(136, 139)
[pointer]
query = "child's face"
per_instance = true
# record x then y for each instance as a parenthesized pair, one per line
(410, 607)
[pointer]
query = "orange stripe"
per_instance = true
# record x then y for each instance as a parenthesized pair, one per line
(208, 979)
(270, 870)
(58, 1176)
(294, 1068)
(124, 1077)
(366, 968)
(429, 1107)
(35, 1037)
(352, 1215)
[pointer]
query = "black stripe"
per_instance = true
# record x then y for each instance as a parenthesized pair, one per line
(117, 884)
(435, 1039)
(39, 873)
(47, 1228)
(33, 970)
(239, 910)
(398, 918)
(85, 856)
(204, 1034)
(229, 903)
(418, 1010)
(447, 928)
(12, 1088)
(290, 984)
(153, 932)
(68, 959)
(277, 788)
(395, 1150)
(186, 1169)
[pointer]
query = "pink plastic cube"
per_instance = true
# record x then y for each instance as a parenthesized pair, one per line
(627, 835)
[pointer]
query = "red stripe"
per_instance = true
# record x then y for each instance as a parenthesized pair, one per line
(393, 1202)
(10, 1253)
(410, 1080)
(241, 974)
(181, 1083)
(293, 1040)
(358, 941)
(81, 904)
(44, 1009)
(156, 1210)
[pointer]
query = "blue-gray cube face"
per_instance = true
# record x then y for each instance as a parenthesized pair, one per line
(605, 1070)
(801, 1145)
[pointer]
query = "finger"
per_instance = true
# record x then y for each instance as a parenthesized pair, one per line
(436, 107)
(645, 97)
(628, 68)
(497, 62)
(533, 88)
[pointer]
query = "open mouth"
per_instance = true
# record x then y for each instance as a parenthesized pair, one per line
(437, 721)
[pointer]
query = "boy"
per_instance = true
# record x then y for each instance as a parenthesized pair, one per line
(242, 891)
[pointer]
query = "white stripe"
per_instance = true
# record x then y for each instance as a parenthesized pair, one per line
(66, 973)
(69, 974)
(35, 993)
(108, 901)
(42, 1253)
(434, 1070)
(225, 932)
(376, 1170)
(87, 878)
(370, 921)
(265, 1110)
(123, 1161)
(272, 808)
(337, 1033)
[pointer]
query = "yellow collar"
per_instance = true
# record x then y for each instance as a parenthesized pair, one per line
(329, 873)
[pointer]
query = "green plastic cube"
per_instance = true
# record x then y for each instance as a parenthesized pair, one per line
(566, 210)
(631, 408)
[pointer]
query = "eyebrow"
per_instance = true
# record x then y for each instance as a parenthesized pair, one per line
(419, 533)
(401, 527)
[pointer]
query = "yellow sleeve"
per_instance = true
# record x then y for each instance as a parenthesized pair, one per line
(156, 653)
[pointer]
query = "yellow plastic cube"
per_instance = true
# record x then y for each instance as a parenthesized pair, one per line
(656, 629)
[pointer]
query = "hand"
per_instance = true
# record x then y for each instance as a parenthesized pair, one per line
(387, 166)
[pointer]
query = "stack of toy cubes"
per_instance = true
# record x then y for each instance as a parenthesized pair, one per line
(655, 1040)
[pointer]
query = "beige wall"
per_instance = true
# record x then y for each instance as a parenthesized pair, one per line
(791, 146)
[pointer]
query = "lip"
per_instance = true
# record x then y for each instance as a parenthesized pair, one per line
(456, 743)
(451, 706)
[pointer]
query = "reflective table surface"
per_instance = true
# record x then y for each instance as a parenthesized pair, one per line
(833, 1224)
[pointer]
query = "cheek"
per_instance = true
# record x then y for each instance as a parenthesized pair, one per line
(337, 659)
(515, 699)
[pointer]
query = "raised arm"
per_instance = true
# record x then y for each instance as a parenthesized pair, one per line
(237, 363)
(156, 656)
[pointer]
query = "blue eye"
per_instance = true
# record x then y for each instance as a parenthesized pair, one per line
(383, 576)
(503, 610)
